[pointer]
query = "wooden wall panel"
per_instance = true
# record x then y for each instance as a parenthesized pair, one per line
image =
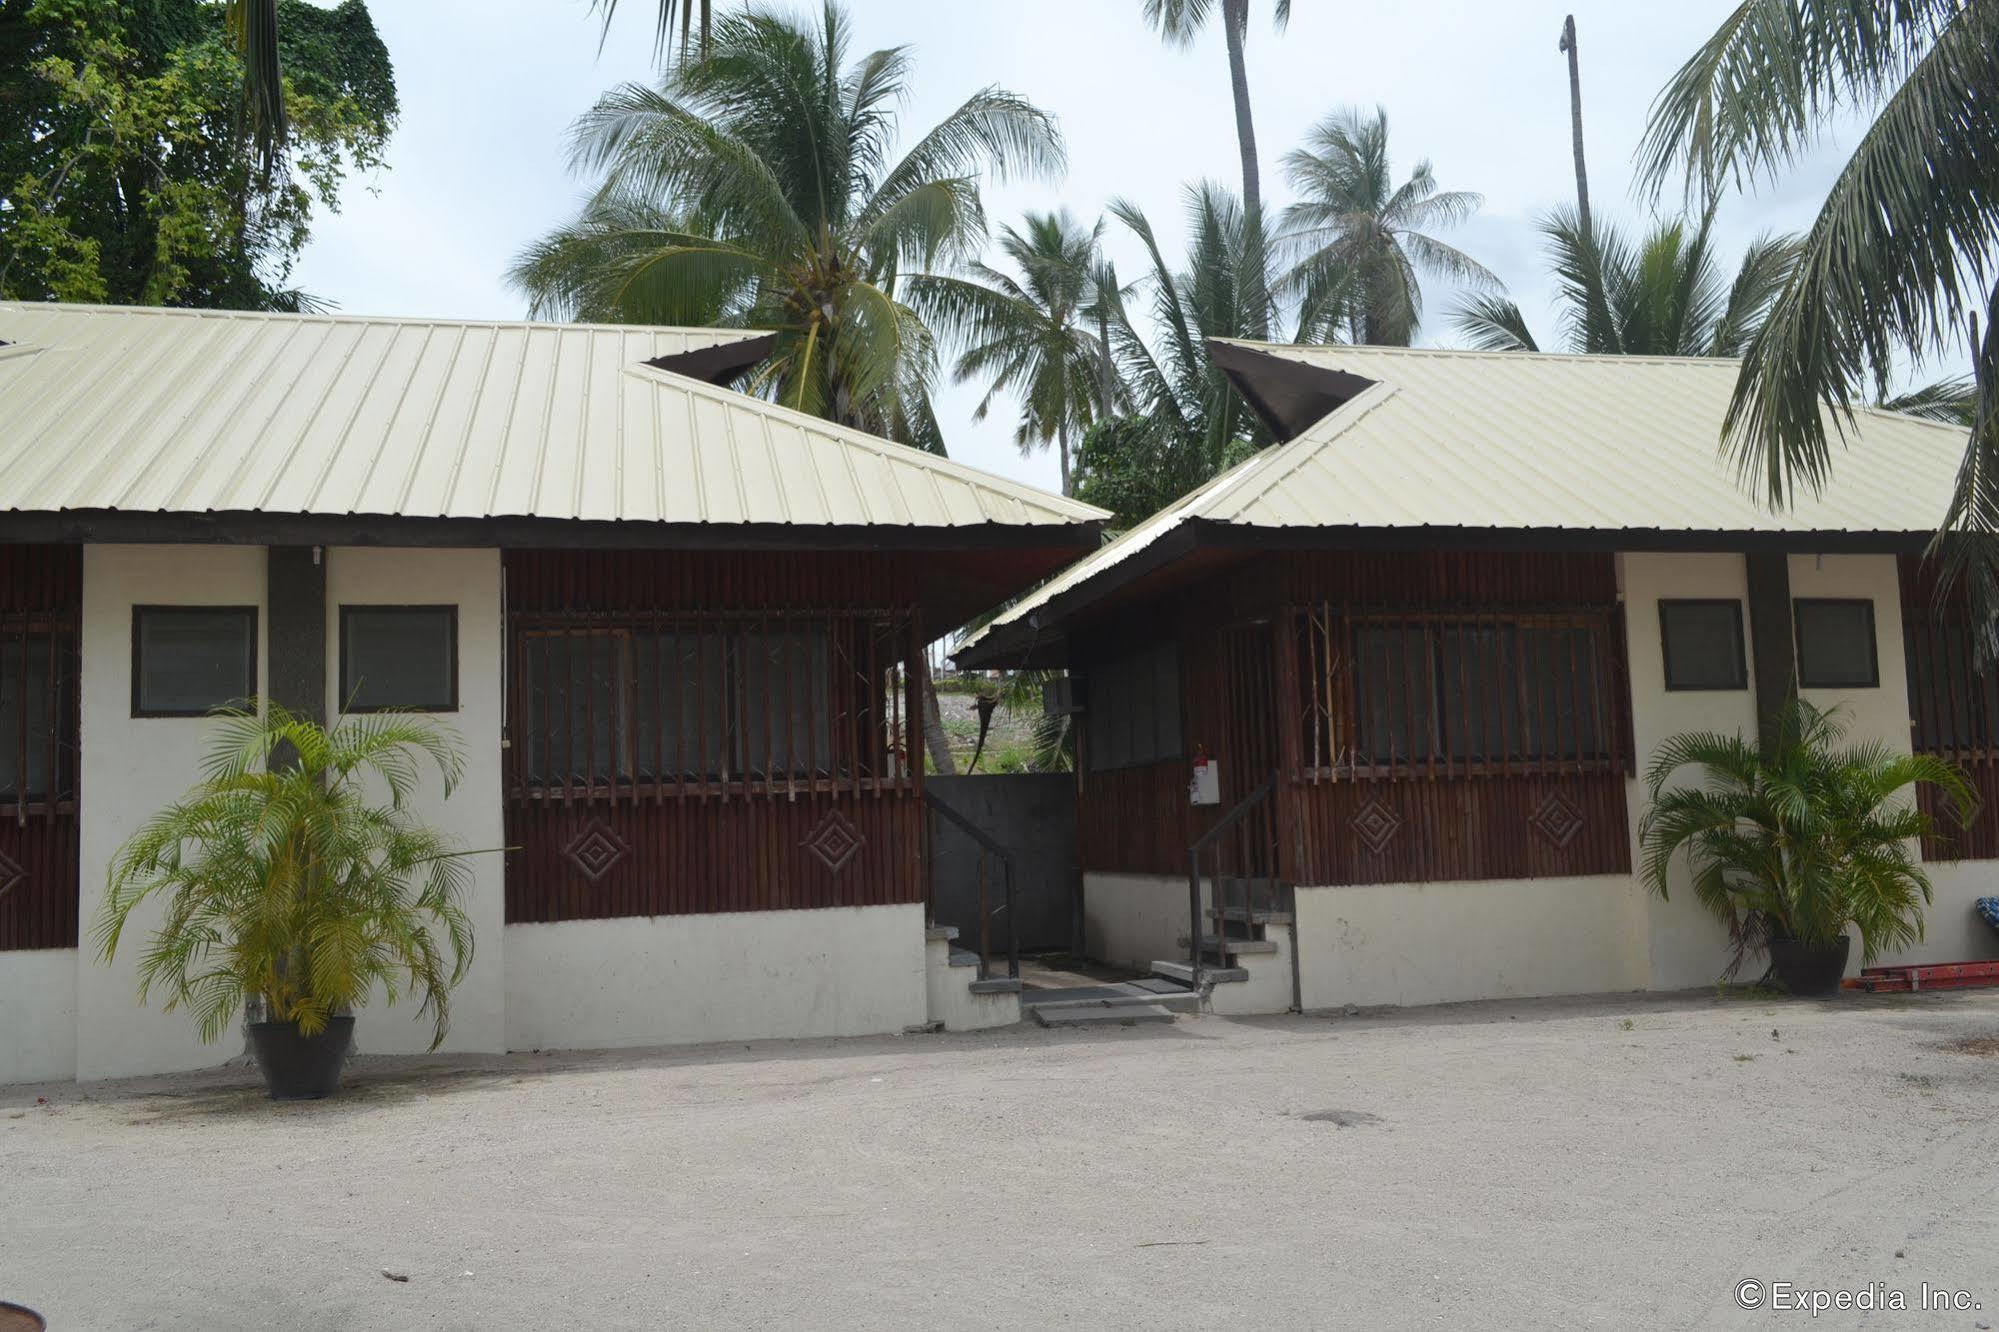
(41, 588)
(681, 857)
(1485, 827)
(1461, 828)
(651, 850)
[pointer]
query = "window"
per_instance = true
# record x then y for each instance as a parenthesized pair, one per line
(399, 657)
(1134, 709)
(1702, 643)
(690, 702)
(1836, 643)
(189, 660)
(1458, 691)
(37, 715)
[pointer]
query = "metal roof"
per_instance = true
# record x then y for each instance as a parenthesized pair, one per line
(172, 411)
(1458, 442)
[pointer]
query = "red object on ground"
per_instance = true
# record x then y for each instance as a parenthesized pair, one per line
(1925, 976)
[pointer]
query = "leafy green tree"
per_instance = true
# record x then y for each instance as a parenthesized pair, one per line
(758, 188)
(1800, 842)
(124, 174)
(1898, 261)
(1357, 241)
(1665, 296)
(1186, 421)
(1030, 331)
(1179, 22)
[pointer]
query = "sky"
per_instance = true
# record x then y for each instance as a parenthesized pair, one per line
(477, 168)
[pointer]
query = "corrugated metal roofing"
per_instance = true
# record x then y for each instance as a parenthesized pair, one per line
(105, 408)
(1513, 440)
(1497, 441)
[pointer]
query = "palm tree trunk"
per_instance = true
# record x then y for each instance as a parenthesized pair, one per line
(934, 739)
(1576, 122)
(1235, 28)
(1062, 447)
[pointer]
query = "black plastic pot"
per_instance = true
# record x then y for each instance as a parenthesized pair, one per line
(1807, 971)
(297, 1067)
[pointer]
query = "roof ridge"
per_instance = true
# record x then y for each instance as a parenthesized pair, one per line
(345, 317)
(887, 449)
(1290, 351)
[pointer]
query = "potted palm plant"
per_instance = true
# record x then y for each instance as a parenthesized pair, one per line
(1790, 845)
(296, 884)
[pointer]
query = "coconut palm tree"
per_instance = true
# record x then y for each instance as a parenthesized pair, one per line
(1179, 22)
(1801, 841)
(1185, 421)
(1358, 241)
(1899, 259)
(1664, 296)
(1031, 331)
(758, 188)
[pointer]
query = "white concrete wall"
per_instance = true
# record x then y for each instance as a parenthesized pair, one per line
(470, 580)
(668, 980)
(1134, 920)
(1436, 943)
(949, 998)
(38, 1015)
(1680, 944)
(131, 767)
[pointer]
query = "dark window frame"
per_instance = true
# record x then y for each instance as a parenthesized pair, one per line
(739, 707)
(139, 612)
(1873, 642)
(348, 685)
(1123, 669)
(1741, 676)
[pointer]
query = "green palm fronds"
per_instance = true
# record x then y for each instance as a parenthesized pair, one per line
(759, 187)
(284, 879)
(1898, 262)
(1358, 242)
(1798, 842)
(1666, 295)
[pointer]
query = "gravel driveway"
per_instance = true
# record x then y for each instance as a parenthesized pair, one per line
(1614, 1162)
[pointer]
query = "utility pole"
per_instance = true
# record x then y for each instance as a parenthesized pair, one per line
(1568, 44)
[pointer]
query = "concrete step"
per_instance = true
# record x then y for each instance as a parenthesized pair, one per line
(1119, 1015)
(935, 932)
(1232, 945)
(1177, 998)
(1184, 973)
(995, 985)
(963, 958)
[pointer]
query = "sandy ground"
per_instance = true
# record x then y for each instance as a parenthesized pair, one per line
(1610, 1162)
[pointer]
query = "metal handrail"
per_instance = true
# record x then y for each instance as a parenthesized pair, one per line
(1221, 826)
(985, 842)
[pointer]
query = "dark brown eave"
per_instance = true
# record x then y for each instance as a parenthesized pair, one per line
(1038, 640)
(1288, 395)
(718, 364)
(249, 528)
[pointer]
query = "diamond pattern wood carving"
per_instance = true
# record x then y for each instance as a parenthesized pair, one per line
(1376, 825)
(1557, 820)
(596, 850)
(835, 841)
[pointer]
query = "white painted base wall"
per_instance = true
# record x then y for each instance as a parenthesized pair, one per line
(38, 1015)
(1952, 931)
(1436, 943)
(950, 999)
(1134, 920)
(670, 980)
(1268, 989)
